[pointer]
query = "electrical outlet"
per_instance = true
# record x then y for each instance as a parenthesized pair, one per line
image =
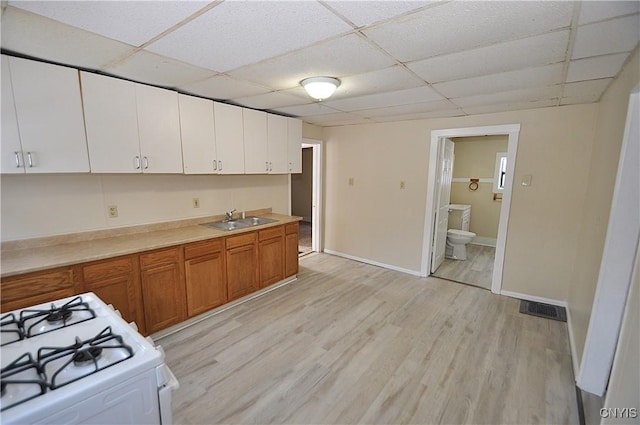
(113, 211)
(402, 184)
(196, 202)
(350, 181)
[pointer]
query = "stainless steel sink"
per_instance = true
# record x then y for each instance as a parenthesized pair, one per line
(239, 224)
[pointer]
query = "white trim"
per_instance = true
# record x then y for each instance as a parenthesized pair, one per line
(513, 132)
(373, 263)
(468, 180)
(528, 297)
(317, 208)
(484, 241)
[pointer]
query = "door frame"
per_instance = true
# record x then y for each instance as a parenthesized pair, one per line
(316, 197)
(513, 133)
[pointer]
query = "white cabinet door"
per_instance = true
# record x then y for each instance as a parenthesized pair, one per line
(277, 144)
(10, 148)
(159, 130)
(294, 143)
(255, 142)
(112, 124)
(198, 135)
(49, 110)
(229, 138)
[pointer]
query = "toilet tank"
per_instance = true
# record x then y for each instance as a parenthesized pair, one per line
(459, 217)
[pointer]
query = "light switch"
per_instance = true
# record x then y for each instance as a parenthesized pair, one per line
(350, 181)
(526, 180)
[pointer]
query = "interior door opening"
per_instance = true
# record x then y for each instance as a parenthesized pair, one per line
(431, 241)
(305, 197)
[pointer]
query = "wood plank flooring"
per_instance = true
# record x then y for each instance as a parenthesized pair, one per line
(476, 270)
(354, 343)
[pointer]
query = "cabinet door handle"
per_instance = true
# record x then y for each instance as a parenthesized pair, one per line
(266, 163)
(219, 165)
(137, 162)
(215, 165)
(146, 162)
(30, 159)
(271, 166)
(17, 159)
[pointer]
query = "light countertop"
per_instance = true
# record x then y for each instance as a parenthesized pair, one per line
(19, 259)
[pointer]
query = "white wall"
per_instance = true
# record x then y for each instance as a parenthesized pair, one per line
(376, 220)
(56, 204)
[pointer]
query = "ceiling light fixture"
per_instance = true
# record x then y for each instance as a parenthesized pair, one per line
(320, 88)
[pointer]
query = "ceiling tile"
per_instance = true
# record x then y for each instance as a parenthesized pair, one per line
(305, 110)
(512, 96)
(238, 33)
(346, 55)
(530, 77)
(393, 98)
(408, 109)
(223, 88)
(586, 88)
(540, 50)
(458, 26)
(486, 109)
(132, 22)
(336, 119)
(269, 100)
(388, 79)
(364, 13)
(614, 36)
(577, 100)
(593, 11)
(422, 116)
(43, 38)
(158, 70)
(596, 67)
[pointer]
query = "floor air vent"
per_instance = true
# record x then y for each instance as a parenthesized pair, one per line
(543, 310)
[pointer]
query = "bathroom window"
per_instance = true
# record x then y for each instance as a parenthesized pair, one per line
(500, 172)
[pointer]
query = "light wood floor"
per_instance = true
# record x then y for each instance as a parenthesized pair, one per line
(354, 343)
(476, 270)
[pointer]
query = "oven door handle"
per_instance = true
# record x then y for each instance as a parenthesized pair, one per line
(168, 383)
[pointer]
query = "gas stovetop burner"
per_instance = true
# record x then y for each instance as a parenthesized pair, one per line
(39, 321)
(59, 316)
(86, 356)
(11, 329)
(21, 380)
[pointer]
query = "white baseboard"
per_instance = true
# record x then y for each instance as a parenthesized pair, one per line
(373, 263)
(534, 298)
(572, 345)
(484, 241)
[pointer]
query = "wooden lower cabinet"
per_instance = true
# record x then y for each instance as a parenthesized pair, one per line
(205, 276)
(38, 287)
(271, 255)
(242, 265)
(116, 281)
(291, 249)
(163, 290)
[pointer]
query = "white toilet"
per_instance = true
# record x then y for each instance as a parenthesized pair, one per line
(457, 240)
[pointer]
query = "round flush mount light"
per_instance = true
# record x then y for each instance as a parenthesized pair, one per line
(320, 88)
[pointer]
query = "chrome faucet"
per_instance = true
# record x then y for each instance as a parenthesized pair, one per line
(229, 214)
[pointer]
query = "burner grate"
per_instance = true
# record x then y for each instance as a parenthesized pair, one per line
(40, 321)
(22, 373)
(11, 329)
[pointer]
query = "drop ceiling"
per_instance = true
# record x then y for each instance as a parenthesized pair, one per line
(397, 60)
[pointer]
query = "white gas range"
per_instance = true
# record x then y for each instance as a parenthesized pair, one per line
(76, 361)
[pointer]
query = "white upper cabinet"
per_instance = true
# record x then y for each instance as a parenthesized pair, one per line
(255, 141)
(131, 128)
(198, 135)
(229, 138)
(159, 130)
(294, 143)
(112, 124)
(12, 160)
(48, 112)
(277, 144)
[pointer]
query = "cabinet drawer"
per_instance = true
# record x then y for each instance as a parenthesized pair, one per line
(108, 268)
(38, 287)
(199, 249)
(291, 228)
(271, 233)
(159, 257)
(240, 240)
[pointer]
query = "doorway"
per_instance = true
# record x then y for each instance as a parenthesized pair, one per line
(433, 187)
(305, 199)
